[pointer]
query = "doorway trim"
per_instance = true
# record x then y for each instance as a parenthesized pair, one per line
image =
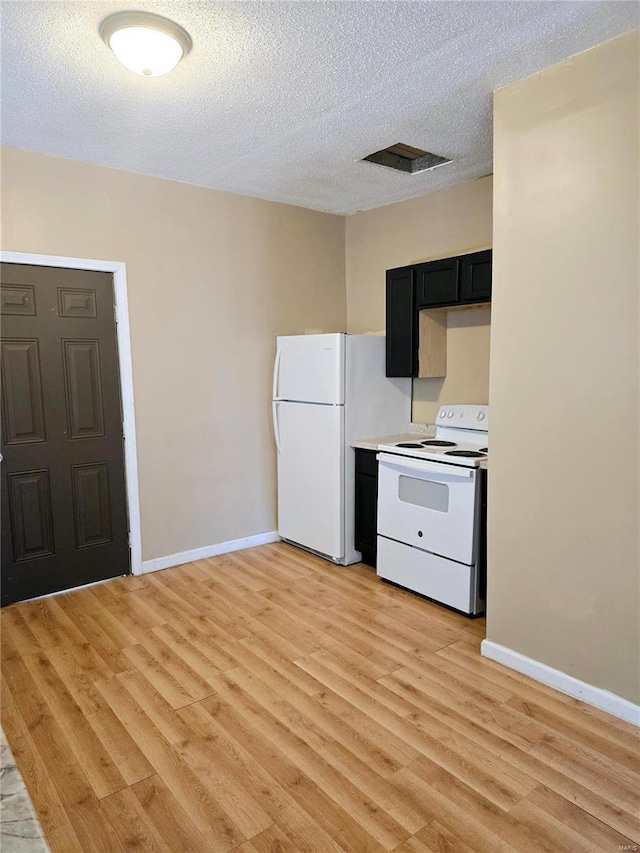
(119, 271)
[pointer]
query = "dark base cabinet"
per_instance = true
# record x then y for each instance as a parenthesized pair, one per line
(482, 551)
(366, 505)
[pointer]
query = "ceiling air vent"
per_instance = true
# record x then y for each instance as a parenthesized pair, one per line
(404, 158)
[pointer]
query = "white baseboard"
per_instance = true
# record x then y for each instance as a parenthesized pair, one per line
(209, 551)
(596, 696)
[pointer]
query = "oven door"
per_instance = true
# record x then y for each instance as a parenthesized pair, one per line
(428, 505)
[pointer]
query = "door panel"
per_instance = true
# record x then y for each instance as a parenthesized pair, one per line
(17, 299)
(64, 514)
(310, 368)
(83, 388)
(310, 476)
(30, 509)
(77, 303)
(91, 504)
(23, 420)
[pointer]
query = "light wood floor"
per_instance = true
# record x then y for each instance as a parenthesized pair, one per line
(269, 701)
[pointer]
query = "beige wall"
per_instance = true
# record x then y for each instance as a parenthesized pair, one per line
(563, 501)
(212, 279)
(439, 225)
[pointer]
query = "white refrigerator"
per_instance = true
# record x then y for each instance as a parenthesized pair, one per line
(329, 390)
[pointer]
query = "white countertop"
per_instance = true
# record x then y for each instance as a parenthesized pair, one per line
(373, 443)
(418, 431)
(415, 431)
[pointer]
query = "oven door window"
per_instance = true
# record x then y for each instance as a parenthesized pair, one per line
(424, 493)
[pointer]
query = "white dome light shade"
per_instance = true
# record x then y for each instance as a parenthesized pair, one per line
(147, 52)
(146, 44)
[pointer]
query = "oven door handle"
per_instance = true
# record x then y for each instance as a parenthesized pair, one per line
(407, 463)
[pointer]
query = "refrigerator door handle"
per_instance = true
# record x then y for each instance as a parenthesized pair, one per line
(276, 371)
(276, 428)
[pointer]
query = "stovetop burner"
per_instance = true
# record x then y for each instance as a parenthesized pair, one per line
(460, 430)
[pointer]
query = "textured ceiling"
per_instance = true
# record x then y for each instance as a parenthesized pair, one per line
(282, 100)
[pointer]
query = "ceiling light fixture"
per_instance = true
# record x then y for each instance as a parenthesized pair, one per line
(145, 43)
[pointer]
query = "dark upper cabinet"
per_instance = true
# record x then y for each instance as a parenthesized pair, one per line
(448, 283)
(475, 277)
(402, 323)
(437, 283)
(465, 280)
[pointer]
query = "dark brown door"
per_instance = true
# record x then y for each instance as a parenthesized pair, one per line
(64, 513)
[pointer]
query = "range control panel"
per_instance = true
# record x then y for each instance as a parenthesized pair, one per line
(464, 417)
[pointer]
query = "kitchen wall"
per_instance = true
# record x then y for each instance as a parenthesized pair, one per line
(212, 278)
(439, 225)
(563, 491)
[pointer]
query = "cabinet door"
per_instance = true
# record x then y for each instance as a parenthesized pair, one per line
(366, 509)
(437, 283)
(475, 277)
(402, 323)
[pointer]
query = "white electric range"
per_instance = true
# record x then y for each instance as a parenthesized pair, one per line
(431, 510)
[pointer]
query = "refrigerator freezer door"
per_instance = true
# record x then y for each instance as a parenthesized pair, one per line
(310, 476)
(310, 369)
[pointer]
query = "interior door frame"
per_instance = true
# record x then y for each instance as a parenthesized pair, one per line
(119, 271)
